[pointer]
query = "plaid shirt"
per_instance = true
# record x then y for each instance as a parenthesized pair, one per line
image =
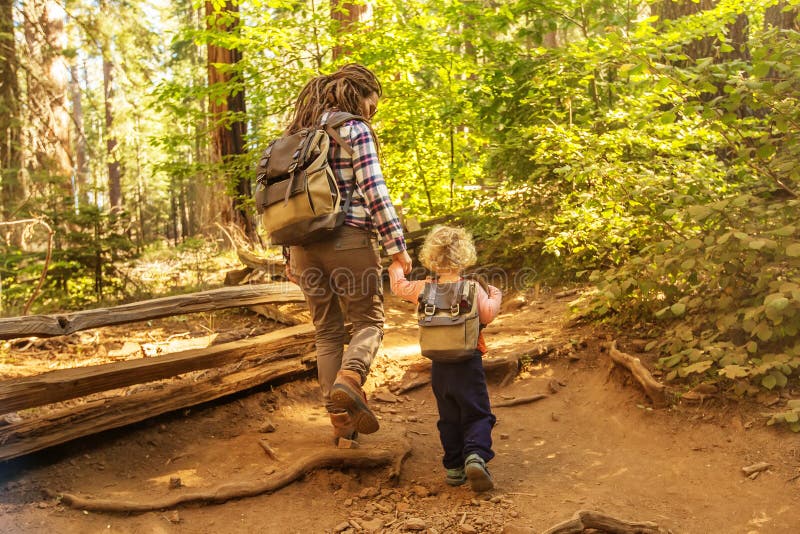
(371, 207)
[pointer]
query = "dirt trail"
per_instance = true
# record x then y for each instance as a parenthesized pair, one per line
(592, 444)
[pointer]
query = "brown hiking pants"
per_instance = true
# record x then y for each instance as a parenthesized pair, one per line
(341, 280)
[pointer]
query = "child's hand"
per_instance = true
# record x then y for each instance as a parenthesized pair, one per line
(403, 260)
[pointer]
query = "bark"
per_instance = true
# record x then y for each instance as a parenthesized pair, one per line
(64, 384)
(675, 9)
(229, 130)
(11, 192)
(47, 92)
(81, 161)
(32, 435)
(215, 299)
(114, 178)
(346, 15)
(778, 17)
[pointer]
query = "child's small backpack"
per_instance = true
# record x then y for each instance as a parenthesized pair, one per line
(448, 320)
(296, 193)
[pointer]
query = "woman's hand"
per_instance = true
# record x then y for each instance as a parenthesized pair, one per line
(403, 260)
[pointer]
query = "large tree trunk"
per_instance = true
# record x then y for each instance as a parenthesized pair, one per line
(776, 17)
(707, 46)
(675, 9)
(346, 15)
(47, 93)
(228, 134)
(11, 192)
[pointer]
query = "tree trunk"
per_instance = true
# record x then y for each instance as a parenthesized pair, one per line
(81, 161)
(11, 192)
(114, 181)
(230, 128)
(776, 17)
(346, 16)
(47, 93)
(675, 9)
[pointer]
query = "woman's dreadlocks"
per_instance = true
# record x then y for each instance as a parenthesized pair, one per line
(343, 90)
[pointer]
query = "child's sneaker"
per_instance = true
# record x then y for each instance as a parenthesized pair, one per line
(479, 477)
(456, 477)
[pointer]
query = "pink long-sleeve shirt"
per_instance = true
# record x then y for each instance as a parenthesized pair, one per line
(488, 304)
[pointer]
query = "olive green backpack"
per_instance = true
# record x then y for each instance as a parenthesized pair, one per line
(449, 325)
(296, 192)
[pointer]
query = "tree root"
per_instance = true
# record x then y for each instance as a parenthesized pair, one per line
(655, 390)
(360, 458)
(590, 519)
(521, 400)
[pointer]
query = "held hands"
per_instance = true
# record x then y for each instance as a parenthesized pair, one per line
(403, 260)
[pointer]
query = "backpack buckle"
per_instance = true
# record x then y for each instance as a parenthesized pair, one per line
(455, 309)
(430, 309)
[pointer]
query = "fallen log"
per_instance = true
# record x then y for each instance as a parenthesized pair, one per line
(288, 314)
(215, 299)
(359, 458)
(421, 372)
(656, 391)
(269, 266)
(64, 384)
(38, 433)
(598, 521)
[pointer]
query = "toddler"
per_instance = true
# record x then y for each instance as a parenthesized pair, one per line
(465, 417)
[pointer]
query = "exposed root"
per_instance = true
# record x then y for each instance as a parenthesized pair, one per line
(598, 521)
(360, 458)
(521, 400)
(655, 390)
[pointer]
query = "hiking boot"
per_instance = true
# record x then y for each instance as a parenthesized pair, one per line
(343, 427)
(479, 477)
(346, 394)
(455, 477)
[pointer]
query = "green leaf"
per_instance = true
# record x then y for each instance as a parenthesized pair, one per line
(699, 213)
(668, 117)
(763, 331)
(793, 250)
(780, 378)
(778, 304)
(699, 367)
(769, 381)
(734, 371)
(693, 244)
(678, 309)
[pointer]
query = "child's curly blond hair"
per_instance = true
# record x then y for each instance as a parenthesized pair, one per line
(447, 248)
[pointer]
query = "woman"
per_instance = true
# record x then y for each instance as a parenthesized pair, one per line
(341, 276)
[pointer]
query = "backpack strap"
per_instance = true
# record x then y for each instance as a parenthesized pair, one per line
(429, 301)
(332, 120)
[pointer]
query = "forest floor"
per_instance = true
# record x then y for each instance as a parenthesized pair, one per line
(593, 443)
